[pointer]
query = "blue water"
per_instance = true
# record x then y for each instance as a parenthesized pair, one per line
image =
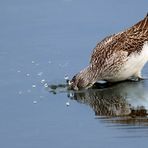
(41, 42)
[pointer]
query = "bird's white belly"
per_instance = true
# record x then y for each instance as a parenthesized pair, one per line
(133, 65)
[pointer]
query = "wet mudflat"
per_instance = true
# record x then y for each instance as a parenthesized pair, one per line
(40, 43)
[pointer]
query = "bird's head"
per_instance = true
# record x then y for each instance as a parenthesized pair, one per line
(81, 80)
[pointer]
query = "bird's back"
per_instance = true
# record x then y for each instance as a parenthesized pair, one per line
(115, 48)
(117, 57)
(130, 41)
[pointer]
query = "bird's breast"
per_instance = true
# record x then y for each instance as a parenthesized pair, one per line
(134, 63)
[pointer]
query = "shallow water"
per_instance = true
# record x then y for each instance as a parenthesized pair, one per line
(40, 43)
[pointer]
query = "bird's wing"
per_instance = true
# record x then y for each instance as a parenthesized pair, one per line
(129, 41)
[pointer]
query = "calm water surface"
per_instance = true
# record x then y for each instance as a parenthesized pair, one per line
(41, 42)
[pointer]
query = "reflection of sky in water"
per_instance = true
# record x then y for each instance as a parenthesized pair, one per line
(40, 42)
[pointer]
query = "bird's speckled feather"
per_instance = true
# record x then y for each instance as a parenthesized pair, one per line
(114, 55)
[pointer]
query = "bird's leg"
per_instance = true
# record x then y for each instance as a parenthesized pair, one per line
(137, 77)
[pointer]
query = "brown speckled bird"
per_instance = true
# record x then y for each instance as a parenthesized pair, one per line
(116, 58)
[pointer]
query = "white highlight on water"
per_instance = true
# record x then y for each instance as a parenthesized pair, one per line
(27, 74)
(34, 102)
(43, 81)
(18, 71)
(45, 85)
(33, 86)
(67, 103)
(40, 74)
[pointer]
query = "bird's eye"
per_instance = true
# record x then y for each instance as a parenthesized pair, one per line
(70, 83)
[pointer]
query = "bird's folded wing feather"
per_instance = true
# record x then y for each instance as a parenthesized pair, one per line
(130, 41)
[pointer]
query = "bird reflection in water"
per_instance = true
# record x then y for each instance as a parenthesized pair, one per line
(124, 103)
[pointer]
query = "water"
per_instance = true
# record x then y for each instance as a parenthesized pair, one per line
(40, 43)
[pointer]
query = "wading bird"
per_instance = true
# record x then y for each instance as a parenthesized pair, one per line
(116, 58)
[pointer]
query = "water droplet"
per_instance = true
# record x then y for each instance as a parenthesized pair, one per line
(32, 62)
(18, 71)
(45, 85)
(33, 85)
(66, 77)
(71, 95)
(67, 103)
(40, 73)
(42, 81)
(34, 102)
(27, 74)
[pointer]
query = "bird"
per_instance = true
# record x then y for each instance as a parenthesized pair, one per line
(118, 57)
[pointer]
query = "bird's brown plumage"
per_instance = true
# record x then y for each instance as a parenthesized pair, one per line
(111, 53)
(130, 40)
